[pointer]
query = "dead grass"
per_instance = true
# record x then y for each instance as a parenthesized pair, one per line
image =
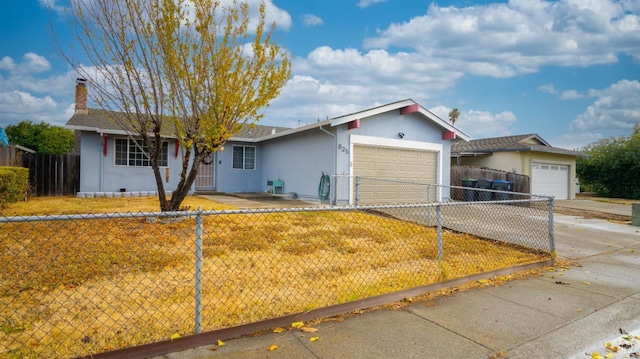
(74, 205)
(78, 287)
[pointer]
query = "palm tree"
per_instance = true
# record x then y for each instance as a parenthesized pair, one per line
(453, 116)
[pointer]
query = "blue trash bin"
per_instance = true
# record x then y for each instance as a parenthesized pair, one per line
(502, 185)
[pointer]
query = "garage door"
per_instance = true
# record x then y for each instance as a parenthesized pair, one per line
(396, 164)
(550, 179)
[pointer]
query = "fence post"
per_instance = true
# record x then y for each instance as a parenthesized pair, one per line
(439, 221)
(198, 279)
(357, 190)
(552, 242)
(428, 202)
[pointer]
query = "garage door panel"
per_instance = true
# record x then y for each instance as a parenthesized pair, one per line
(387, 167)
(392, 163)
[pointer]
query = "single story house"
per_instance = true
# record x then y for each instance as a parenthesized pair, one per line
(399, 140)
(552, 170)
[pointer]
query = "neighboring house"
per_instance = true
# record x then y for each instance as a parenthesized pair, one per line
(552, 170)
(400, 140)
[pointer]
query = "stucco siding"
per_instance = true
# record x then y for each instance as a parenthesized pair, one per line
(503, 161)
(99, 173)
(299, 161)
(233, 180)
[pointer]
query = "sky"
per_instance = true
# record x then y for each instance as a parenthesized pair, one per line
(568, 70)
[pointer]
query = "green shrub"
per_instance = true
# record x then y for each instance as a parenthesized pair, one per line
(14, 182)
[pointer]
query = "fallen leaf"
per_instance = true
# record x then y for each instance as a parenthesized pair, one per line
(278, 330)
(586, 283)
(213, 348)
(579, 310)
(483, 281)
(273, 347)
(221, 343)
(595, 355)
(609, 356)
(175, 336)
(561, 282)
(309, 330)
(297, 324)
(313, 339)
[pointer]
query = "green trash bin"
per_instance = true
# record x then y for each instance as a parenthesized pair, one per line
(469, 195)
(482, 185)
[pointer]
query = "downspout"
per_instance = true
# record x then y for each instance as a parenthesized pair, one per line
(101, 179)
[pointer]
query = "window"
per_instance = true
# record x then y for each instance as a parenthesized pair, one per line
(244, 158)
(134, 153)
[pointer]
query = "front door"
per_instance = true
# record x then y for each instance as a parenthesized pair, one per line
(205, 180)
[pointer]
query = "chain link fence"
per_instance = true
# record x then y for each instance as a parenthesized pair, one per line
(74, 285)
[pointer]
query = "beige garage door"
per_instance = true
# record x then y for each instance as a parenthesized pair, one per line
(396, 164)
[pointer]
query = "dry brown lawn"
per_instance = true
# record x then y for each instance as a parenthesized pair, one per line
(71, 288)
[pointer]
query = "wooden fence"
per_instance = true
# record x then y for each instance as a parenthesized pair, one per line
(49, 175)
(521, 183)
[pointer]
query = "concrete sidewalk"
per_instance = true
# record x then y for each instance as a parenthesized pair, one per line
(560, 314)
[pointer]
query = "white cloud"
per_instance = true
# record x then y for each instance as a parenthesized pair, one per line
(571, 95)
(16, 106)
(366, 3)
(311, 20)
(520, 36)
(32, 64)
(52, 5)
(616, 110)
(480, 124)
(548, 88)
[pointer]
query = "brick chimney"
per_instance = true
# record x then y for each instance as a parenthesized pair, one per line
(81, 96)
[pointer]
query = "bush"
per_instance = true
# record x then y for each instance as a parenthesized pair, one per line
(613, 167)
(14, 182)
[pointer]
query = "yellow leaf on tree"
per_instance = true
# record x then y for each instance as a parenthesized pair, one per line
(297, 324)
(278, 330)
(175, 336)
(313, 339)
(273, 347)
(221, 343)
(309, 329)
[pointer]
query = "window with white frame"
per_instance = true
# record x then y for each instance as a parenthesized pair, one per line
(244, 157)
(134, 153)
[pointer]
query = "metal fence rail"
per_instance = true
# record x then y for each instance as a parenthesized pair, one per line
(82, 284)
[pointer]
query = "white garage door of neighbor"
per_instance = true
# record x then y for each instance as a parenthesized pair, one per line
(393, 163)
(550, 179)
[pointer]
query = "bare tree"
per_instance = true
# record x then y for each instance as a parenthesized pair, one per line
(453, 116)
(190, 69)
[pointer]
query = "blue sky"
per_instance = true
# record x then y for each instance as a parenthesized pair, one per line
(568, 70)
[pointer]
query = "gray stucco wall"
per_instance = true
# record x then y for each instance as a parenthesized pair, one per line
(299, 161)
(98, 173)
(236, 180)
